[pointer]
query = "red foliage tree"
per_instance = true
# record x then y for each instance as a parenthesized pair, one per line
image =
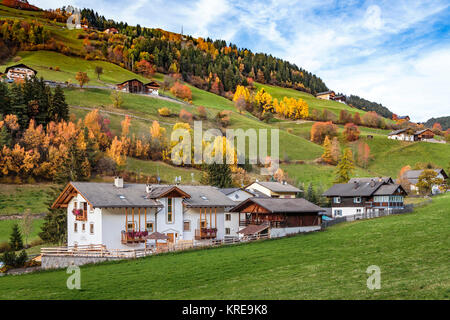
(351, 132)
(181, 91)
(320, 130)
(144, 67)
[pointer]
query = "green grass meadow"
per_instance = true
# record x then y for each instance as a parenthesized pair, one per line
(411, 250)
(16, 199)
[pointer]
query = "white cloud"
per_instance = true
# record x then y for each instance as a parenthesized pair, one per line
(373, 19)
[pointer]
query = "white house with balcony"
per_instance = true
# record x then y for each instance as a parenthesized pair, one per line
(123, 216)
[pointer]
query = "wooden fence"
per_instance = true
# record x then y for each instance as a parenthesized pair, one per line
(100, 251)
(368, 215)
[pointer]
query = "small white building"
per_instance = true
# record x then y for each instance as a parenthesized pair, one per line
(20, 73)
(413, 176)
(408, 135)
(273, 189)
(122, 216)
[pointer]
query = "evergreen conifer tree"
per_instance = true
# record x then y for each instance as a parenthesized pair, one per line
(54, 229)
(219, 175)
(15, 239)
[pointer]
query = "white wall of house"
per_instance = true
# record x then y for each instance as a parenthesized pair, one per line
(232, 224)
(109, 223)
(85, 237)
(402, 137)
(176, 226)
(20, 73)
(346, 211)
(193, 216)
(260, 188)
(282, 232)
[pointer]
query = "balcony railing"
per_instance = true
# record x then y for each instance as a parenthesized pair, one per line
(134, 237)
(272, 224)
(205, 233)
(80, 214)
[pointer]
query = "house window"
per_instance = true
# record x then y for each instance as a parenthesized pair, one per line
(83, 227)
(169, 210)
(338, 213)
(227, 217)
(75, 205)
(337, 199)
(227, 231)
(358, 210)
(75, 227)
(130, 226)
(149, 226)
(187, 226)
(91, 228)
(357, 199)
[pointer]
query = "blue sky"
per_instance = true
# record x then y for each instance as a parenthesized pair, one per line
(393, 52)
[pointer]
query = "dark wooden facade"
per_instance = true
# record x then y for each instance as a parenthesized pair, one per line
(427, 134)
(257, 215)
(132, 86)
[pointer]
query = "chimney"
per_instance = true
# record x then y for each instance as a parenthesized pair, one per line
(118, 182)
(356, 184)
(149, 188)
(372, 183)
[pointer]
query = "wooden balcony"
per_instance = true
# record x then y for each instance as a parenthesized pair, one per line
(134, 237)
(205, 233)
(273, 224)
(80, 215)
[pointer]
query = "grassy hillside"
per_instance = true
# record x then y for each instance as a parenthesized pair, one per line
(42, 61)
(15, 199)
(410, 250)
(313, 102)
(7, 225)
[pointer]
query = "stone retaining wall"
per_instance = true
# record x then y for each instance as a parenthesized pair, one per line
(58, 262)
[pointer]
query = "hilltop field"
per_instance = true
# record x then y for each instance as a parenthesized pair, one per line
(409, 250)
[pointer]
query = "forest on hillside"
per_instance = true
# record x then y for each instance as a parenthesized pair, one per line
(367, 105)
(443, 121)
(211, 65)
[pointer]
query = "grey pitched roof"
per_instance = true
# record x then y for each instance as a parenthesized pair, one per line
(413, 175)
(21, 65)
(388, 189)
(281, 205)
(206, 196)
(393, 133)
(278, 187)
(227, 191)
(365, 180)
(257, 194)
(200, 196)
(354, 189)
(325, 92)
(106, 195)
